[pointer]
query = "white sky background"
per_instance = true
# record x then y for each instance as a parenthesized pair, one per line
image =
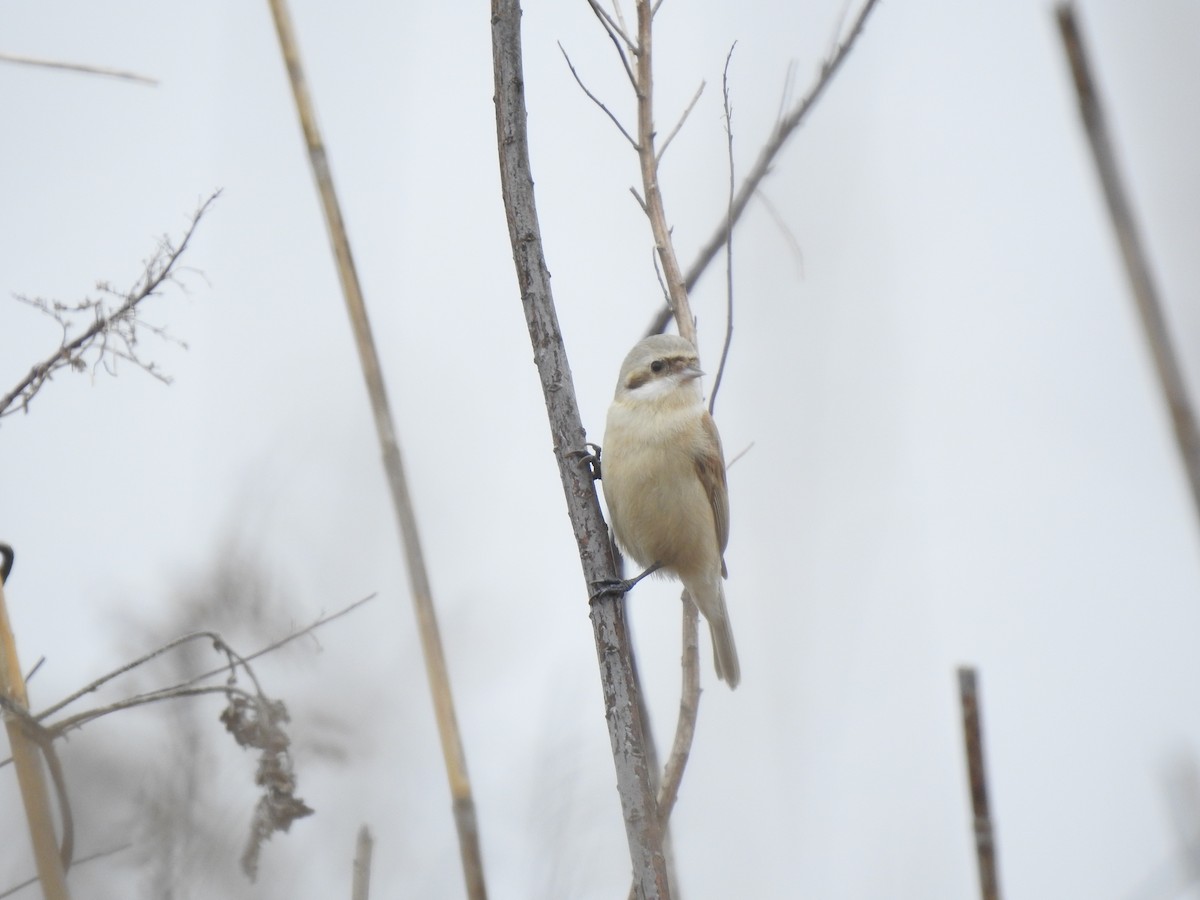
(960, 452)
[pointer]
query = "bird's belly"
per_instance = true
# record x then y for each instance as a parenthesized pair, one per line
(659, 509)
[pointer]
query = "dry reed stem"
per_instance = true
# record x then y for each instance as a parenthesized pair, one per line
(27, 760)
(364, 846)
(422, 595)
(1145, 293)
(985, 839)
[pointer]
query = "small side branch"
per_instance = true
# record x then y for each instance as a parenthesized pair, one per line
(1145, 292)
(600, 103)
(678, 125)
(113, 333)
(621, 41)
(985, 841)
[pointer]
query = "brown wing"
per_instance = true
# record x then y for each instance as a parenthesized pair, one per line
(710, 467)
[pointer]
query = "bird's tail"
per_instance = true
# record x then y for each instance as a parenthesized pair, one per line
(709, 597)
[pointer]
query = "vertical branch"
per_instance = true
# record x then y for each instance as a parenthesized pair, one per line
(712, 400)
(422, 595)
(985, 841)
(595, 550)
(1138, 269)
(648, 158)
(27, 760)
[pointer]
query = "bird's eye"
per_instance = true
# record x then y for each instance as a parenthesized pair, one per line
(657, 366)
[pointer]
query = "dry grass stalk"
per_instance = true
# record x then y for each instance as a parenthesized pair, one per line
(422, 594)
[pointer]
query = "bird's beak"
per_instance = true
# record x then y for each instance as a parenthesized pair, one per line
(692, 372)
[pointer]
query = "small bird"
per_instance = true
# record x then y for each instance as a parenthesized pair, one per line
(664, 480)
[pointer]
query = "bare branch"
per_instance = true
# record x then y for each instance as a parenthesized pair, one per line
(608, 112)
(678, 125)
(113, 333)
(609, 625)
(616, 33)
(437, 671)
(648, 160)
(95, 685)
(71, 723)
(78, 67)
(783, 130)
(689, 708)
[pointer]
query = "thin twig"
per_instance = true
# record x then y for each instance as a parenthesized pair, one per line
(159, 270)
(70, 723)
(91, 857)
(783, 130)
(616, 33)
(95, 685)
(98, 683)
(729, 465)
(985, 841)
(712, 400)
(78, 67)
(678, 125)
(583, 507)
(600, 103)
(789, 237)
(689, 707)
(283, 641)
(453, 755)
(1145, 292)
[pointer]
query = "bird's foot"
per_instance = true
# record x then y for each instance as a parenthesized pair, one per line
(588, 458)
(616, 587)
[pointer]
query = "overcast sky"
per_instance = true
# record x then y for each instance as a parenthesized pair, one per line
(960, 453)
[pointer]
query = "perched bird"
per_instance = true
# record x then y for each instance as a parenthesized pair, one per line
(664, 480)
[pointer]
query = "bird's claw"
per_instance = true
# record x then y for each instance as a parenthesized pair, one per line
(616, 587)
(590, 459)
(611, 587)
